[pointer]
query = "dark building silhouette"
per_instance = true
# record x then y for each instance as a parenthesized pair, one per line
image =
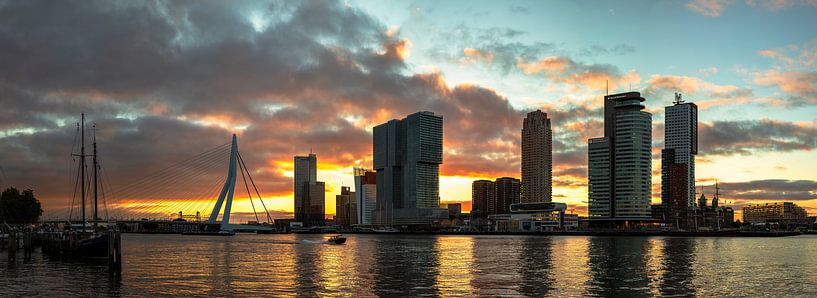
(345, 207)
(309, 193)
(407, 157)
(483, 193)
(508, 191)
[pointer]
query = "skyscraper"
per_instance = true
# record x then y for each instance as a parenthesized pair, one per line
(619, 164)
(537, 158)
(316, 206)
(365, 195)
(309, 196)
(407, 158)
(483, 195)
(678, 156)
(345, 207)
(507, 192)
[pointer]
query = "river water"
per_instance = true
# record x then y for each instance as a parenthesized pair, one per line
(428, 265)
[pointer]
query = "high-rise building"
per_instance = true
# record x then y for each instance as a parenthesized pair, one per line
(599, 178)
(678, 156)
(537, 158)
(306, 172)
(345, 207)
(316, 210)
(619, 164)
(483, 195)
(309, 196)
(508, 191)
(407, 158)
(365, 195)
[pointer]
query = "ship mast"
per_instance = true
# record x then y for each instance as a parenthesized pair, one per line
(96, 206)
(82, 167)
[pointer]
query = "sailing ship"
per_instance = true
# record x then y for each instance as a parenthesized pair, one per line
(92, 241)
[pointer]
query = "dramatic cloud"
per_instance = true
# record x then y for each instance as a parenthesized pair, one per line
(710, 8)
(715, 8)
(704, 93)
(793, 72)
(565, 70)
(769, 190)
(165, 81)
(748, 137)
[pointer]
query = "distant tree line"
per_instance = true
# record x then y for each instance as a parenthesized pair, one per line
(19, 207)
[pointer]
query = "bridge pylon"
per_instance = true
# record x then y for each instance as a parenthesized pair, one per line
(227, 191)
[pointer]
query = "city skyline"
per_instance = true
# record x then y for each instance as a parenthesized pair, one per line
(756, 96)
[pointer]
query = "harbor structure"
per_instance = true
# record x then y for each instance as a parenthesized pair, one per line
(407, 158)
(619, 164)
(537, 158)
(535, 217)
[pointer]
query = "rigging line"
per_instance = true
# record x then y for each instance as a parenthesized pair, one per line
(182, 205)
(201, 167)
(190, 192)
(162, 204)
(73, 157)
(212, 192)
(167, 171)
(249, 195)
(136, 185)
(74, 196)
(104, 197)
(169, 179)
(208, 202)
(158, 187)
(241, 159)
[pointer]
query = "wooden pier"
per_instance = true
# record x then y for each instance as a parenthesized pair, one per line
(64, 244)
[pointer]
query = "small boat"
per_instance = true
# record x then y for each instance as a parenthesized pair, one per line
(337, 239)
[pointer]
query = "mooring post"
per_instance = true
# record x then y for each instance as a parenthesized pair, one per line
(12, 247)
(114, 252)
(27, 245)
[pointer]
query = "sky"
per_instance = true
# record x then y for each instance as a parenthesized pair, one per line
(165, 81)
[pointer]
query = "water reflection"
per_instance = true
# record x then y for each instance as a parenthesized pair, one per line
(493, 271)
(676, 278)
(405, 265)
(456, 261)
(535, 266)
(617, 265)
(423, 265)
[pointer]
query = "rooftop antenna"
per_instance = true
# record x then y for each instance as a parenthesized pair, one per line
(678, 99)
(607, 86)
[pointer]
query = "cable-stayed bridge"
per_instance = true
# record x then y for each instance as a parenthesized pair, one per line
(194, 189)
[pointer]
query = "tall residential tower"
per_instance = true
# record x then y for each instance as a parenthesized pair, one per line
(678, 156)
(537, 158)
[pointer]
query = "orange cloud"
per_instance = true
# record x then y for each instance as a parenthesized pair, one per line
(472, 55)
(710, 8)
